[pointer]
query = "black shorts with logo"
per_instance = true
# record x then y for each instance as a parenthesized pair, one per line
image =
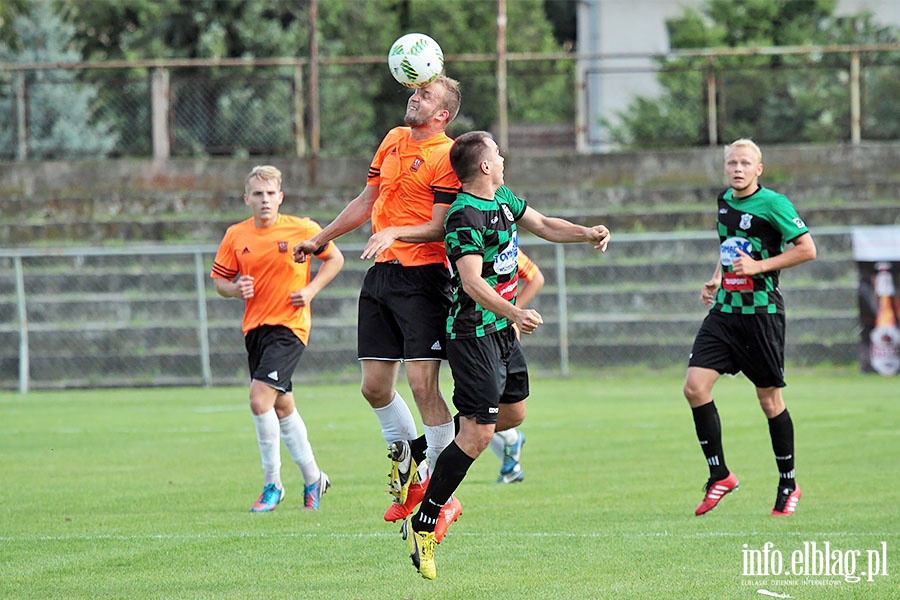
(402, 313)
(273, 352)
(487, 372)
(752, 344)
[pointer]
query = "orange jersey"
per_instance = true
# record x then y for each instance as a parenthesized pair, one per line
(408, 173)
(526, 267)
(266, 255)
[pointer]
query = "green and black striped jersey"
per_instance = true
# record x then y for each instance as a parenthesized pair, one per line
(758, 225)
(487, 227)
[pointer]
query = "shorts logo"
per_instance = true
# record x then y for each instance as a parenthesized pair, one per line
(416, 163)
(493, 411)
(282, 247)
(273, 375)
(745, 221)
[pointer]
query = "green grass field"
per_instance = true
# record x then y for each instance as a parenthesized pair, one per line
(145, 494)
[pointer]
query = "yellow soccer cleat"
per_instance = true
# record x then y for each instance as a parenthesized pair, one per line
(421, 549)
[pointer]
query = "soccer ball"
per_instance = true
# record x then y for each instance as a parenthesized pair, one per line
(415, 60)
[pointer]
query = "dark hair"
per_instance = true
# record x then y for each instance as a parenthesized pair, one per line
(467, 153)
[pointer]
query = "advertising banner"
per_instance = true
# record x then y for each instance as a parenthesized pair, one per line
(876, 250)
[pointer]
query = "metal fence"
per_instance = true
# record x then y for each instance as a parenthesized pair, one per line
(238, 107)
(149, 315)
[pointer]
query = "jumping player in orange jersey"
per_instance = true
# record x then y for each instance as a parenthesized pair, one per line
(254, 263)
(405, 298)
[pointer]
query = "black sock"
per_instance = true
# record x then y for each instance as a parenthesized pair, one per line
(451, 468)
(709, 432)
(781, 429)
(417, 448)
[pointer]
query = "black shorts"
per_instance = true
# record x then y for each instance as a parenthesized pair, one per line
(487, 372)
(752, 344)
(273, 352)
(403, 313)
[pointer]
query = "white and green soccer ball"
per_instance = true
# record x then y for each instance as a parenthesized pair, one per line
(415, 60)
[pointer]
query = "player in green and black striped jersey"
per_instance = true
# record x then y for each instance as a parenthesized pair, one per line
(490, 376)
(744, 330)
(758, 225)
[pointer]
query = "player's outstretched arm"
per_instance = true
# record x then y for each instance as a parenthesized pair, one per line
(559, 230)
(354, 214)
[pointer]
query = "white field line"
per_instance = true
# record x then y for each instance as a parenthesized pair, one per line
(526, 535)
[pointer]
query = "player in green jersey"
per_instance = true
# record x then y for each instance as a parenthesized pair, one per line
(490, 376)
(744, 330)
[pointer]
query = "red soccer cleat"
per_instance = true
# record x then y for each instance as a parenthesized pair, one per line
(786, 502)
(449, 513)
(414, 495)
(714, 492)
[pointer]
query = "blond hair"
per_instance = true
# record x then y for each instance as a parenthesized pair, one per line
(744, 143)
(263, 173)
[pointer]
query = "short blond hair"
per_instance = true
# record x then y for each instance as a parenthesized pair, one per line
(263, 173)
(744, 143)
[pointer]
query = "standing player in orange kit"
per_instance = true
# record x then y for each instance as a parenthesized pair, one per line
(254, 263)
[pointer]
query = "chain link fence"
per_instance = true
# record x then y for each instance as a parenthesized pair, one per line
(149, 315)
(244, 108)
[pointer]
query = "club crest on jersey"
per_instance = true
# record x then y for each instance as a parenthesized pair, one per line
(416, 163)
(282, 247)
(745, 221)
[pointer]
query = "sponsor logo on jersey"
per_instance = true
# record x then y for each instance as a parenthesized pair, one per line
(737, 283)
(506, 261)
(745, 221)
(799, 222)
(246, 250)
(507, 212)
(728, 250)
(507, 289)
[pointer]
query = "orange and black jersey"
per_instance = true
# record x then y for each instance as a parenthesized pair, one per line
(412, 176)
(266, 255)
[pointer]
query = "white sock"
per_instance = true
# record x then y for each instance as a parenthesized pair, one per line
(437, 438)
(509, 436)
(497, 445)
(397, 422)
(267, 436)
(296, 438)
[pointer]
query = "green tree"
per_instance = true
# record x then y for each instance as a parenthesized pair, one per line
(776, 98)
(359, 102)
(61, 111)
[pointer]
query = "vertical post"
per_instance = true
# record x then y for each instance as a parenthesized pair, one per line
(299, 110)
(855, 112)
(313, 78)
(159, 106)
(502, 101)
(202, 319)
(24, 363)
(712, 123)
(562, 303)
(21, 117)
